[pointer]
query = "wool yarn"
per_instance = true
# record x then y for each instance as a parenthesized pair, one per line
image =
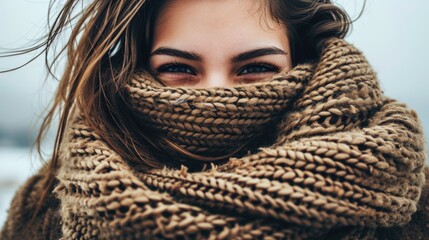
(345, 161)
(215, 121)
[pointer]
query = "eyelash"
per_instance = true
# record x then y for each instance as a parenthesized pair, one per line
(269, 67)
(164, 68)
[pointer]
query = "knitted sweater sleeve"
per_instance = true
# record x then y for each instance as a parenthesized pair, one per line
(20, 224)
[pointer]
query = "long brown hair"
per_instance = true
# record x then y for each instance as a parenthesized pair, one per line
(110, 40)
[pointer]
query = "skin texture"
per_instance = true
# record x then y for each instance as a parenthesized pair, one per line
(228, 42)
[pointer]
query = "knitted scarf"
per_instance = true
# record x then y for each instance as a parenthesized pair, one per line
(337, 159)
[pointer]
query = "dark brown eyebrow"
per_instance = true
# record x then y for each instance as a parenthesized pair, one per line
(239, 58)
(257, 53)
(177, 53)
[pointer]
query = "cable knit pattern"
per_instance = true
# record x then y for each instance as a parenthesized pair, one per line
(345, 161)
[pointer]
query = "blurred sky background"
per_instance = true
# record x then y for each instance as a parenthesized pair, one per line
(394, 35)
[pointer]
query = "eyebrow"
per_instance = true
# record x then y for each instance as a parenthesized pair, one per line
(177, 53)
(258, 53)
(239, 58)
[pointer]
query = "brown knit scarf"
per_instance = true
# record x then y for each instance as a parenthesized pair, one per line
(212, 123)
(343, 160)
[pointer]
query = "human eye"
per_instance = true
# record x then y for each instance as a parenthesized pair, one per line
(175, 68)
(258, 68)
(255, 72)
(176, 74)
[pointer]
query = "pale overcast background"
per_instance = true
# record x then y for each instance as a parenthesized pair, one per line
(394, 35)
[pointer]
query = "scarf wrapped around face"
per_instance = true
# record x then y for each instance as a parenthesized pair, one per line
(341, 155)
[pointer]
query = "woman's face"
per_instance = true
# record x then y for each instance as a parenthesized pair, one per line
(217, 43)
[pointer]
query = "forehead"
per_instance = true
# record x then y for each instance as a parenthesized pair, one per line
(217, 23)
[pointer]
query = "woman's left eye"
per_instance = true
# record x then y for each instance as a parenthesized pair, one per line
(258, 68)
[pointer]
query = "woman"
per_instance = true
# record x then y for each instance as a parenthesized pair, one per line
(222, 119)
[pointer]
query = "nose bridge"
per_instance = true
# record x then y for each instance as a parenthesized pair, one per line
(216, 78)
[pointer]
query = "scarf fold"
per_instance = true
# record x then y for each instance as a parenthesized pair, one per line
(212, 122)
(344, 160)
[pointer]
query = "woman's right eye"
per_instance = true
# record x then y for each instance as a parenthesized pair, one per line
(176, 74)
(176, 68)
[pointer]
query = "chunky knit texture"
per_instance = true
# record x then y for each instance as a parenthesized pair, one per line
(345, 162)
(216, 121)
